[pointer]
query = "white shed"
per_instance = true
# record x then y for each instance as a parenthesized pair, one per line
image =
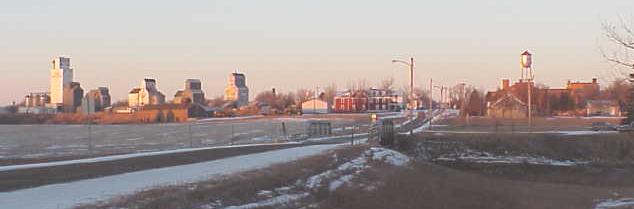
(315, 106)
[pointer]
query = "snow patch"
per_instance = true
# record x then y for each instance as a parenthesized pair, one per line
(581, 133)
(473, 156)
(388, 156)
(345, 172)
(616, 203)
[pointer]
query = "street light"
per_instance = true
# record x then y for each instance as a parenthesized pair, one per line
(411, 78)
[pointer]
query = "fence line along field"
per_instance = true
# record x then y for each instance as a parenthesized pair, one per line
(45, 142)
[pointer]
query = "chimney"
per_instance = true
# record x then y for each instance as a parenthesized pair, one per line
(505, 84)
(594, 81)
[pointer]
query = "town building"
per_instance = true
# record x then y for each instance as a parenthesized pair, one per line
(191, 94)
(36, 103)
(381, 100)
(603, 108)
(237, 91)
(96, 100)
(61, 76)
(371, 100)
(511, 101)
(171, 113)
(351, 102)
(315, 106)
(73, 94)
(146, 94)
(37, 99)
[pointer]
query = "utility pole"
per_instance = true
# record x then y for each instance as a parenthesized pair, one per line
(411, 80)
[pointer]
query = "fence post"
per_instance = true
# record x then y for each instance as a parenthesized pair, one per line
(189, 131)
(90, 137)
(352, 138)
(232, 133)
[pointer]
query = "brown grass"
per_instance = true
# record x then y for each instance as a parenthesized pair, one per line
(605, 149)
(431, 186)
(508, 125)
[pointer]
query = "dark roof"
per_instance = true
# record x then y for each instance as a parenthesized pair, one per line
(150, 80)
(135, 90)
(178, 93)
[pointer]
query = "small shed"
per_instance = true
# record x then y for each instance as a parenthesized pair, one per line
(315, 106)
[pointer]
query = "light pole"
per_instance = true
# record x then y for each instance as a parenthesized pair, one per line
(411, 78)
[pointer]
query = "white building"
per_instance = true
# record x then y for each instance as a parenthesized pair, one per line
(315, 106)
(61, 75)
(147, 94)
(237, 90)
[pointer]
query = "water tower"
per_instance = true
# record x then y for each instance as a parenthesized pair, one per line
(526, 62)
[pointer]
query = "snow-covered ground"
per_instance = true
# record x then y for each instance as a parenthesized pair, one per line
(488, 158)
(66, 195)
(330, 179)
(616, 204)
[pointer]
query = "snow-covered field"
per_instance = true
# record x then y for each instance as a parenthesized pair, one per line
(39, 141)
(66, 195)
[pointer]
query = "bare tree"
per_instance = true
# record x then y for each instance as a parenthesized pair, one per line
(622, 38)
(387, 84)
(329, 93)
(303, 95)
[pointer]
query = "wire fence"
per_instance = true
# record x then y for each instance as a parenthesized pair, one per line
(42, 141)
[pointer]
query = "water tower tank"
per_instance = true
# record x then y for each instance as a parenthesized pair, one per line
(526, 59)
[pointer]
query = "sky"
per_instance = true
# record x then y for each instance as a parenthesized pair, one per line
(293, 44)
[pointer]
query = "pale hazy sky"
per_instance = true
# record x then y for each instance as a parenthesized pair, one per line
(290, 44)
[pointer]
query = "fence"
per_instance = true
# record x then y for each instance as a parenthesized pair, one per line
(34, 141)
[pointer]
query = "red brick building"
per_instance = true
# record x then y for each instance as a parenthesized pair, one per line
(570, 100)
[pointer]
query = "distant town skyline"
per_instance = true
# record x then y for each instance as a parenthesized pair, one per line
(290, 45)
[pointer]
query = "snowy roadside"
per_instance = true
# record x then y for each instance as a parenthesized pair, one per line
(67, 195)
(126, 156)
